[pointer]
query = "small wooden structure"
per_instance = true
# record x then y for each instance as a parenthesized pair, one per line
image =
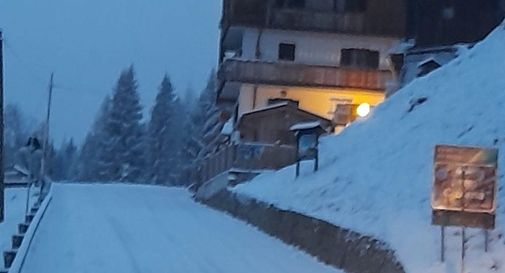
(272, 124)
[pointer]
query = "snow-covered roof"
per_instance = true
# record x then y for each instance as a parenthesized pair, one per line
(402, 47)
(305, 125)
(376, 176)
(269, 107)
(21, 170)
(429, 60)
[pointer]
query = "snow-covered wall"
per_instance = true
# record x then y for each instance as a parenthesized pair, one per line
(339, 247)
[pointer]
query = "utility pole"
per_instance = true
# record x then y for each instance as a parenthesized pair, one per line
(46, 139)
(2, 185)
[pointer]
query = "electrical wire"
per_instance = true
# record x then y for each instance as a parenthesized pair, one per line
(38, 78)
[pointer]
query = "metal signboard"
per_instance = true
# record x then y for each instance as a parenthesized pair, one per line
(307, 148)
(464, 186)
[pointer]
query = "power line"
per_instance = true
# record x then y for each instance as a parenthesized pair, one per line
(39, 79)
(23, 63)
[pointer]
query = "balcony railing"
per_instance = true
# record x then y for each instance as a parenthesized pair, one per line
(261, 14)
(291, 74)
(323, 21)
(250, 157)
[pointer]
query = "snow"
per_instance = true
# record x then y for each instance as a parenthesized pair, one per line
(305, 125)
(126, 228)
(228, 127)
(428, 60)
(29, 235)
(375, 177)
(268, 107)
(15, 205)
(402, 47)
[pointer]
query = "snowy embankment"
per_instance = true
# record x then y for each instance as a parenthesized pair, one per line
(15, 206)
(127, 228)
(376, 176)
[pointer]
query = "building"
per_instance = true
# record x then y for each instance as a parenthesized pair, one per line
(442, 29)
(301, 60)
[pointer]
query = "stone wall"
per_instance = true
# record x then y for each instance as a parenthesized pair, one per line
(339, 247)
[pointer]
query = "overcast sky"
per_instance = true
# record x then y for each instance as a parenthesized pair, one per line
(88, 42)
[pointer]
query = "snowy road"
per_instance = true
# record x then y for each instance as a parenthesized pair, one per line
(148, 229)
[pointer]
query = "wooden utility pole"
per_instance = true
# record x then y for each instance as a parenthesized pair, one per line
(44, 185)
(2, 185)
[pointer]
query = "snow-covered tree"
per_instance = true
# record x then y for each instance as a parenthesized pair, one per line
(210, 133)
(203, 129)
(164, 135)
(123, 154)
(16, 133)
(89, 167)
(64, 160)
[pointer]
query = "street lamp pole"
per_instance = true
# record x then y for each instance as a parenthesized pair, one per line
(45, 146)
(2, 185)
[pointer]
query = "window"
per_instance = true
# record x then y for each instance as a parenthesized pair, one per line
(355, 5)
(339, 6)
(448, 13)
(427, 67)
(296, 4)
(361, 58)
(287, 52)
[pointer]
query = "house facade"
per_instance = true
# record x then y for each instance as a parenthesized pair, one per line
(318, 53)
(288, 61)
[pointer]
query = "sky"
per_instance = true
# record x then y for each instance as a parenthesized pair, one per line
(86, 43)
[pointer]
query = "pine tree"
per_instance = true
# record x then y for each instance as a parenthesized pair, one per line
(88, 167)
(123, 156)
(210, 132)
(203, 130)
(164, 134)
(66, 158)
(16, 133)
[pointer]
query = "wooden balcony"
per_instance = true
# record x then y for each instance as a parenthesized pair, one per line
(318, 21)
(291, 74)
(383, 18)
(247, 157)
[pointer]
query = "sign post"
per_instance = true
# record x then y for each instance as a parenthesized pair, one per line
(307, 142)
(464, 190)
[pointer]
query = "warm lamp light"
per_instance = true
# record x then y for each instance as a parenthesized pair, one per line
(363, 110)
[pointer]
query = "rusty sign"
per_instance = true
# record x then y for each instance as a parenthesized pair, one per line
(464, 186)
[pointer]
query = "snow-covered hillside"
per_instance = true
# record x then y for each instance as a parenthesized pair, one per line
(376, 176)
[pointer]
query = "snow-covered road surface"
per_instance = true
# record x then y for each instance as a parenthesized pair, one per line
(120, 228)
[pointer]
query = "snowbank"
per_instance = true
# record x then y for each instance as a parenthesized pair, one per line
(376, 176)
